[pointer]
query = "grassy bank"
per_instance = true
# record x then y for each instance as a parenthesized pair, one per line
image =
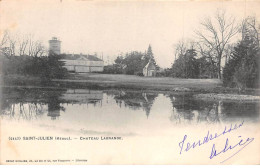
(137, 82)
(118, 81)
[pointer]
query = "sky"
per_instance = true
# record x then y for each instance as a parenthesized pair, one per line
(112, 27)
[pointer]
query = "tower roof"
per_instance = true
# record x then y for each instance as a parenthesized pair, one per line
(54, 39)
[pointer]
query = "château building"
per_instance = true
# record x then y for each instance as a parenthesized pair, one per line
(77, 63)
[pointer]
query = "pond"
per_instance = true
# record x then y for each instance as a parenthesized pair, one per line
(117, 112)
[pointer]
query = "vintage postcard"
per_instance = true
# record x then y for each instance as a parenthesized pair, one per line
(129, 82)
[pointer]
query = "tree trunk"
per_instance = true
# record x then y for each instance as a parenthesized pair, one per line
(219, 71)
(219, 67)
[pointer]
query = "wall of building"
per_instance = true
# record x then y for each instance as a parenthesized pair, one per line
(149, 72)
(82, 66)
(83, 62)
(55, 45)
(70, 68)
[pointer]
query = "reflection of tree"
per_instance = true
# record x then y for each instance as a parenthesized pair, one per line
(186, 109)
(25, 111)
(54, 108)
(29, 103)
(182, 109)
(136, 100)
(213, 114)
(147, 104)
(241, 109)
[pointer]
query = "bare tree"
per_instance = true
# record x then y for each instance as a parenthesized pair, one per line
(182, 46)
(216, 33)
(22, 45)
(208, 52)
(30, 45)
(39, 49)
(12, 44)
(4, 43)
(227, 52)
(4, 39)
(250, 30)
(35, 48)
(12, 40)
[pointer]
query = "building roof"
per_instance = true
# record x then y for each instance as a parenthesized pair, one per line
(54, 39)
(150, 65)
(80, 57)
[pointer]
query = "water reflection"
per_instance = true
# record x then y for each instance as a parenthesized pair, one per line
(18, 111)
(136, 100)
(187, 109)
(83, 96)
(33, 103)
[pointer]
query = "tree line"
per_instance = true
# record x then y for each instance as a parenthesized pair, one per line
(216, 54)
(24, 56)
(131, 63)
(223, 48)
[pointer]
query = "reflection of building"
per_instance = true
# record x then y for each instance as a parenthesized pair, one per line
(136, 100)
(83, 96)
(82, 63)
(147, 104)
(54, 45)
(149, 69)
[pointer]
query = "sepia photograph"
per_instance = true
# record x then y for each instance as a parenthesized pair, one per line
(94, 82)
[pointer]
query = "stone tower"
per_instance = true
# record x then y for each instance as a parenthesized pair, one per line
(54, 45)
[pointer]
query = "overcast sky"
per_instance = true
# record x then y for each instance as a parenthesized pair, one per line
(113, 27)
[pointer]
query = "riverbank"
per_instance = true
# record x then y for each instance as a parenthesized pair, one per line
(227, 97)
(128, 82)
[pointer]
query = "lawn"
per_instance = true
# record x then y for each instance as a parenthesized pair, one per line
(132, 81)
(119, 81)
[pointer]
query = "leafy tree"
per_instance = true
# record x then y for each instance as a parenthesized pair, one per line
(133, 63)
(45, 67)
(242, 70)
(186, 66)
(149, 55)
(119, 60)
(52, 67)
(206, 68)
(113, 69)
